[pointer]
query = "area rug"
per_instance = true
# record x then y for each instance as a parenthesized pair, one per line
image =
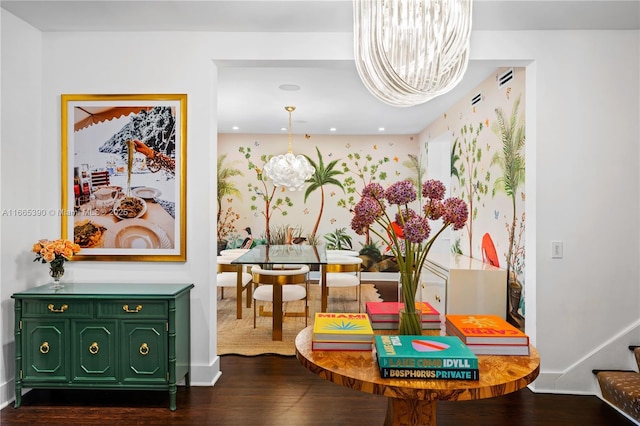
(238, 337)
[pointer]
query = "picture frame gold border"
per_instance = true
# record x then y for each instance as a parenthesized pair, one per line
(181, 255)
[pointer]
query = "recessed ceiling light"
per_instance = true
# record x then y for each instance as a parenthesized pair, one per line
(289, 87)
(284, 129)
(333, 129)
(381, 129)
(236, 128)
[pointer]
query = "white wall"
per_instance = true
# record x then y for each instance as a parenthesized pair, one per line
(22, 174)
(582, 165)
(148, 63)
(582, 189)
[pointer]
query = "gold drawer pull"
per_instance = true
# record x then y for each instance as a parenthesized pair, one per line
(144, 349)
(437, 298)
(53, 309)
(126, 309)
(44, 348)
(93, 349)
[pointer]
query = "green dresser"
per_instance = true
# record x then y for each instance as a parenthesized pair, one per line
(103, 336)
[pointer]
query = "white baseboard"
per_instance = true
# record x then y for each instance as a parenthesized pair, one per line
(7, 393)
(206, 375)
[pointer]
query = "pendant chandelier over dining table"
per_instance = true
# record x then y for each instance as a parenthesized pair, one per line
(289, 170)
(407, 52)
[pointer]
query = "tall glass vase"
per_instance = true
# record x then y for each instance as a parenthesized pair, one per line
(410, 317)
(56, 273)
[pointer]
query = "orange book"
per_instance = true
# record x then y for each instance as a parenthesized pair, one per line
(485, 330)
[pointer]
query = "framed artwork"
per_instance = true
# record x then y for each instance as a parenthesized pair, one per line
(124, 176)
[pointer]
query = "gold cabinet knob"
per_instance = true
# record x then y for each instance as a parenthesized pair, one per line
(144, 349)
(94, 348)
(44, 348)
(437, 298)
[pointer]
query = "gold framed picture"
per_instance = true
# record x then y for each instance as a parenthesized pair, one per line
(124, 176)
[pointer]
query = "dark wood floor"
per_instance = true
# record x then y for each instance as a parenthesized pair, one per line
(276, 390)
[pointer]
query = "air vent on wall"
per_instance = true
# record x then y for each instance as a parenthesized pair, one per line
(505, 77)
(477, 98)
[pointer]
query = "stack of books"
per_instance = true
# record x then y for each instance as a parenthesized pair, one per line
(341, 332)
(385, 316)
(425, 358)
(488, 334)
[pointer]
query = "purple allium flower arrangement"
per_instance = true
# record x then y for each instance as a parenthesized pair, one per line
(407, 232)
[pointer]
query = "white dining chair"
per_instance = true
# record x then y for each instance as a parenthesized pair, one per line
(344, 271)
(293, 283)
(232, 276)
(233, 252)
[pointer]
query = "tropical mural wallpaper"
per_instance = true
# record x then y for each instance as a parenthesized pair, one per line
(486, 168)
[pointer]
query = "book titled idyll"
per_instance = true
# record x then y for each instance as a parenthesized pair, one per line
(429, 352)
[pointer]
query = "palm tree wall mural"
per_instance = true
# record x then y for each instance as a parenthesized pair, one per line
(324, 175)
(473, 183)
(226, 188)
(225, 185)
(417, 171)
(511, 162)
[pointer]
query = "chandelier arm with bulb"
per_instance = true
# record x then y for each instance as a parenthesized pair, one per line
(407, 52)
(289, 170)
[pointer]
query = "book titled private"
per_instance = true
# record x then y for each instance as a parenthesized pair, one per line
(430, 373)
(424, 352)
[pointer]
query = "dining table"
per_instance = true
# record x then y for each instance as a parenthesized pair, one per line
(279, 256)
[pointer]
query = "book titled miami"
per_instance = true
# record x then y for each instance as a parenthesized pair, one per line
(424, 352)
(388, 311)
(334, 327)
(485, 330)
(340, 346)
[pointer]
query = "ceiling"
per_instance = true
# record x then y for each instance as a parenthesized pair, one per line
(330, 94)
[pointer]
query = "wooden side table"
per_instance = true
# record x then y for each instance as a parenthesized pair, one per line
(413, 402)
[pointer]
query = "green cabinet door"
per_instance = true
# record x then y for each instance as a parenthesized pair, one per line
(94, 351)
(144, 352)
(44, 350)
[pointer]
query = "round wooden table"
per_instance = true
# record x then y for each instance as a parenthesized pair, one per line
(413, 401)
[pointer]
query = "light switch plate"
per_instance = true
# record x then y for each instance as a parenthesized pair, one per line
(556, 249)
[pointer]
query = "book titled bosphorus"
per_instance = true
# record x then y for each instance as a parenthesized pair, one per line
(430, 373)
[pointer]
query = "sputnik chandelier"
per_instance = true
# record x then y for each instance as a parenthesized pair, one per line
(408, 52)
(289, 170)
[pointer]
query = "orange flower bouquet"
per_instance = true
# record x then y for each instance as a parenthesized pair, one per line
(55, 253)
